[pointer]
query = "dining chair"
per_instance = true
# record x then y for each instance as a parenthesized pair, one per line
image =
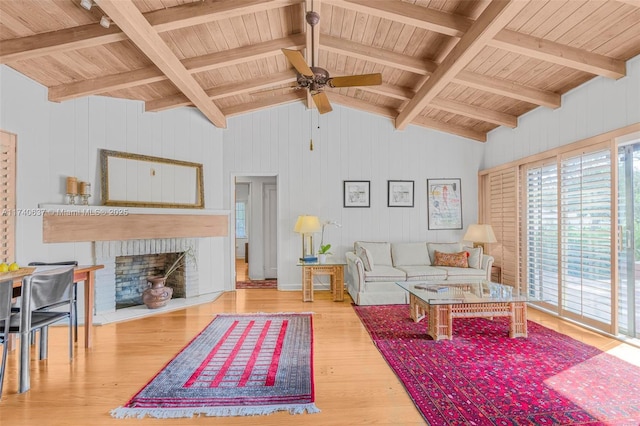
(75, 291)
(6, 294)
(41, 292)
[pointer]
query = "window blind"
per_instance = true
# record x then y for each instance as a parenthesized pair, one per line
(7, 196)
(586, 236)
(541, 228)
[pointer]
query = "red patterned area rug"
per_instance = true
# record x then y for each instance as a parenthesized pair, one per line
(257, 284)
(482, 377)
(239, 365)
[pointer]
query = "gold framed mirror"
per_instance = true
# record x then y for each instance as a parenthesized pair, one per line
(135, 180)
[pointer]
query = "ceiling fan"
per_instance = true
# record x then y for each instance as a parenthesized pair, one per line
(315, 79)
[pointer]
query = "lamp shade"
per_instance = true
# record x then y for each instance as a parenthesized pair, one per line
(307, 224)
(480, 233)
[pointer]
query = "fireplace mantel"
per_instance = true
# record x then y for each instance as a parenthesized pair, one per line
(64, 223)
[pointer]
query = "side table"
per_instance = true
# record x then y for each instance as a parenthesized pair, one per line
(334, 270)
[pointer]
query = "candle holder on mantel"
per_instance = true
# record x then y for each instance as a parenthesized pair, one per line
(72, 190)
(85, 192)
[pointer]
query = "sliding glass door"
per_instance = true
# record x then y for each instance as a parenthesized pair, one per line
(629, 239)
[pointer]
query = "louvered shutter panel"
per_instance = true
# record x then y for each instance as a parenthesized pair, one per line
(7, 196)
(501, 212)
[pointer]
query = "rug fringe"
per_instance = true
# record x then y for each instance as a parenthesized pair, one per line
(176, 413)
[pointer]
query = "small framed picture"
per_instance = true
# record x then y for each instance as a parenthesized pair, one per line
(400, 193)
(356, 193)
(444, 203)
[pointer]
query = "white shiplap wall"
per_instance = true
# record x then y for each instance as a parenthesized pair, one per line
(596, 107)
(349, 145)
(56, 140)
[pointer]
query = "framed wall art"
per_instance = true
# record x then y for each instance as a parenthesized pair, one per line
(444, 203)
(400, 193)
(356, 193)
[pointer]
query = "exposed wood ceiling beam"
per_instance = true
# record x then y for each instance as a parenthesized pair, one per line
(224, 90)
(377, 55)
(264, 103)
(409, 14)
(313, 37)
(467, 110)
(456, 26)
(193, 65)
(421, 67)
(162, 20)
(449, 128)
(127, 16)
(473, 111)
(509, 89)
(559, 54)
(361, 105)
(493, 19)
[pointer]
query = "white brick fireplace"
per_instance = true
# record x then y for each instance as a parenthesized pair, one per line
(107, 251)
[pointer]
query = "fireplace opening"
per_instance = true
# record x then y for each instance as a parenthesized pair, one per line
(132, 273)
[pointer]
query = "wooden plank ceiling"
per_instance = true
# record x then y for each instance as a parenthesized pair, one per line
(459, 66)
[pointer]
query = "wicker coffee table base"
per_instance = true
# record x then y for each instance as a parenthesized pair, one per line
(440, 320)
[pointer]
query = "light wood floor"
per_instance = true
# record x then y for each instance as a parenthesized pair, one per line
(354, 385)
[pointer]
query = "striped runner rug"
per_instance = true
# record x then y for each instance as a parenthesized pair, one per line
(239, 365)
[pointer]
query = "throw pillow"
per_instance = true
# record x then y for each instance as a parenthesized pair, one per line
(367, 259)
(475, 257)
(458, 260)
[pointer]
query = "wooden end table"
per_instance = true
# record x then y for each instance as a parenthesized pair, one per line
(334, 270)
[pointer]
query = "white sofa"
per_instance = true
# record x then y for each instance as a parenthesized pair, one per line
(373, 282)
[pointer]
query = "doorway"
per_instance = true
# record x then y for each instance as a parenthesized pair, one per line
(255, 243)
(629, 239)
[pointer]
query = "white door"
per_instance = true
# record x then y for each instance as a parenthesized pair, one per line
(270, 226)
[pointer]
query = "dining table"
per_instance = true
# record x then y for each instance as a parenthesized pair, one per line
(81, 273)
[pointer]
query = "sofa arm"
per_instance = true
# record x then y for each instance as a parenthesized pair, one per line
(486, 264)
(355, 272)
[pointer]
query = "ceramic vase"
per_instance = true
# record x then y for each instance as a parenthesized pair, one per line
(322, 258)
(157, 295)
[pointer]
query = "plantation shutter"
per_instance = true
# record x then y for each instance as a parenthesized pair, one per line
(501, 212)
(7, 196)
(541, 228)
(586, 225)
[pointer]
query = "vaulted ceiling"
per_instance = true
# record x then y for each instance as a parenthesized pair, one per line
(459, 66)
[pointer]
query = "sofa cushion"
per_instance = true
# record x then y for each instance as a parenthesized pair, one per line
(453, 272)
(367, 259)
(384, 273)
(443, 248)
(381, 252)
(410, 254)
(475, 256)
(422, 273)
(458, 260)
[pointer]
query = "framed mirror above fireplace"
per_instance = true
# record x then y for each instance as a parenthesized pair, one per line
(136, 180)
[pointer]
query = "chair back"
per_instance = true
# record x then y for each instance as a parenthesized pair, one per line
(6, 294)
(49, 287)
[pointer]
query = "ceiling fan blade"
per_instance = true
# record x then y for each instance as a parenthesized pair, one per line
(356, 80)
(298, 62)
(322, 102)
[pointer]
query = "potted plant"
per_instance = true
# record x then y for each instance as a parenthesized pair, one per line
(323, 252)
(157, 295)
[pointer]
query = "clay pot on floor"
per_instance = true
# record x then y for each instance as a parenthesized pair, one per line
(157, 295)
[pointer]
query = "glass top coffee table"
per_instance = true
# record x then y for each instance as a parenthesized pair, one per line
(442, 302)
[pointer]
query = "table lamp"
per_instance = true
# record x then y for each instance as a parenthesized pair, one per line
(306, 225)
(480, 234)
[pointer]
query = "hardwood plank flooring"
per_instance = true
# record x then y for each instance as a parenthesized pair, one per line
(354, 385)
